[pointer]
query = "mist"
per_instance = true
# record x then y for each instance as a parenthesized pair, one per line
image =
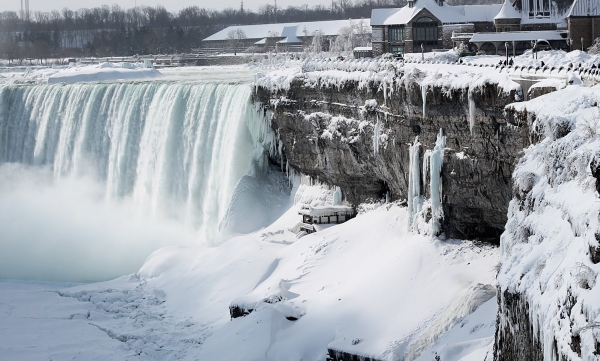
(65, 229)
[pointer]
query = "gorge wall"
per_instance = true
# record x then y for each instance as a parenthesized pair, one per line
(356, 135)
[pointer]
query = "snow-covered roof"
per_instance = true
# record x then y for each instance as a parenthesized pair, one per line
(585, 8)
(289, 32)
(481, 13)
(508, 11)
(329, 28)
(363, 48)
(262, 41)
(517, 36)
(319, 211)
(447, 14)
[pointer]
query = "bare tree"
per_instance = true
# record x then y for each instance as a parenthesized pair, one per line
(236, 37)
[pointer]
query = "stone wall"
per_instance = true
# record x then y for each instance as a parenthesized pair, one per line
(587, 28)
(476, 175)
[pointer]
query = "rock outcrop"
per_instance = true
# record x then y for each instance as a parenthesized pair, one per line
(357, 137)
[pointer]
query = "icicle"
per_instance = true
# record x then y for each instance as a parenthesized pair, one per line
(376, 133)
(471, 111)
(414, 182)
(425, 169)
(280, 152)
(424, 96)
(337, 196)
(435, 173)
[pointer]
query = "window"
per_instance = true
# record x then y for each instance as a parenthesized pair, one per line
(396, 34)
(537, 8)
(425, 32)
(396, 49)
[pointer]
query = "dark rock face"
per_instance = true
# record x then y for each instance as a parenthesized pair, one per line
(236, 311)
(336, 355)
(476, 182)
(523, 345)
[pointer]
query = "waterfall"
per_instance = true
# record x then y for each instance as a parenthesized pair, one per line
(176, 149)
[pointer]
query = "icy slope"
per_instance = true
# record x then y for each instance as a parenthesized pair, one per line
(366, 286)
(549, 301)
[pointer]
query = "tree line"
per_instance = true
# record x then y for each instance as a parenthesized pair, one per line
(115, 31)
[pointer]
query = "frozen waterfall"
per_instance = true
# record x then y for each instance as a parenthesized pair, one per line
(415, 201)
(436, 161)
(176, 149)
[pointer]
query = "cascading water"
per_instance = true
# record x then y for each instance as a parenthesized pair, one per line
(174, 150)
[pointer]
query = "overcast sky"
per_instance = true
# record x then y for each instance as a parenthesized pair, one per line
(171, 5)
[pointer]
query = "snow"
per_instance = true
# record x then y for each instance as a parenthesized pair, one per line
(585, 8)
(553, 222)
(101, 72)
(317, 211)
(447, 14)
(508, 11)
(345, 283)
(329, 28)
(518, 36)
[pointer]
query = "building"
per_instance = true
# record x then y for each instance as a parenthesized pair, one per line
(533, 15)
(284, 36)
(583, 22)
(431, 24)
(427, 25)
(312, 216)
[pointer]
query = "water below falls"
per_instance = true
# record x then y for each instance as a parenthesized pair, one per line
(168, 152)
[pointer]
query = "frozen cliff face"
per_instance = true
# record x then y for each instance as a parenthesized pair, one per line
(355, 129)
(549, 301)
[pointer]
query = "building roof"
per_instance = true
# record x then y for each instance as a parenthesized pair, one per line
(447, 14)
(585, 8)
(329, 28)
(508, 11)
(320, 211)
(518, 36)
(289, 32)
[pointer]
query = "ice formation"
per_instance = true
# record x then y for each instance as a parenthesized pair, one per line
(414, 182)
(437, 159)
(549, 249)
(471, 111)
(337, 197)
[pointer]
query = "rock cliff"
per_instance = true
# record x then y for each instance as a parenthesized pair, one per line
(356, 135)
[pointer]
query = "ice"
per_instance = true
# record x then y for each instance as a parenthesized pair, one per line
(437, 159)
(414, 182)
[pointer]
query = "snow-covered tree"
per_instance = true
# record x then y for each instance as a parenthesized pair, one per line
(595, 48)
(235, 38)
(316, 45)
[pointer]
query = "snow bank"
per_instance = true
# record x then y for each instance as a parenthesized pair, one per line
(345, 285)
(553, 228)
(101, 72)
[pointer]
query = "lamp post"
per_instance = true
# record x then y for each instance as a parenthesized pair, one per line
(506, 51)
(533, 44)
(422, 52)
(570, 44)
(514, 48)
(582, 44)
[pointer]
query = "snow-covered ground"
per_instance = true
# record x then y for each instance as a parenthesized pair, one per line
(367, 286)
